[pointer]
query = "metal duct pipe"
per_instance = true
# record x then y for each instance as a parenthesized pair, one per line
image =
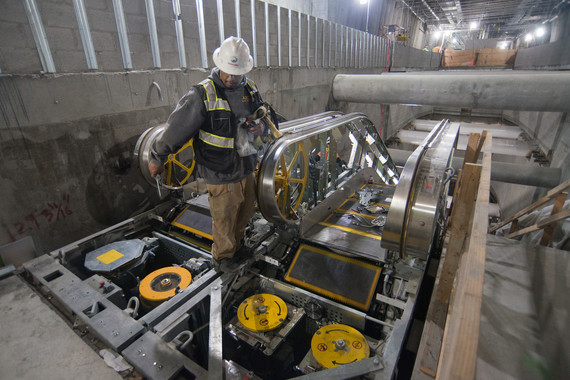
(501, 171)
(536, 91)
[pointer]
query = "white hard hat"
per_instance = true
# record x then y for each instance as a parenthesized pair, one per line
(232, 57)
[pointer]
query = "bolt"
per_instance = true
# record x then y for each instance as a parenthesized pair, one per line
(139, 352)
(160, 366)
(376, 361)
(154, 364)
(143, 355)
(215, 288)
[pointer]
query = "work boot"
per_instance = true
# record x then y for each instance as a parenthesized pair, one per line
(242, 254)
(224, 265)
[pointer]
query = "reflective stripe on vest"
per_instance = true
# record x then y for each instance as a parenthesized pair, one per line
(212, 101)
(219, 141)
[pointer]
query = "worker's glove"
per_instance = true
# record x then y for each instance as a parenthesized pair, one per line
(256, 126)
(244, 142)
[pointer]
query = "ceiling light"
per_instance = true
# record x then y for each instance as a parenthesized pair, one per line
(362, 2)
(437, 34)
(473, 25)
(454, 40)
(540, 32)
(528, 37)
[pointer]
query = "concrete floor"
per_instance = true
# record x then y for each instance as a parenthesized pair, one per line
(38, 344)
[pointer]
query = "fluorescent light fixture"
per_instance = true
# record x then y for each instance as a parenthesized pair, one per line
(437, 34)
(528, 37)
(473, 25)
(540, 32)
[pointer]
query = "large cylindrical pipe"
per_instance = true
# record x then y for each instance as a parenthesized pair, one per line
(525, 91)
(501, 171)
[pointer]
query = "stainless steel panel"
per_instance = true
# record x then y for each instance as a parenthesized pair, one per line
(414, 211)
(371, 147)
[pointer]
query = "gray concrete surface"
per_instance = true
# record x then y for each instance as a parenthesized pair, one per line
(524, 332)
(407, 58)
(38, 344)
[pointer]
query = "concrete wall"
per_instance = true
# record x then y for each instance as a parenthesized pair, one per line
(409, 59)
(19, 54)
(552, 56)
(551, 131)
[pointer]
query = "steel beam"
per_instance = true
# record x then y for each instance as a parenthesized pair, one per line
(537, 91)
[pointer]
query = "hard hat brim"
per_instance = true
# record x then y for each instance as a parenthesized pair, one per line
(230, 69)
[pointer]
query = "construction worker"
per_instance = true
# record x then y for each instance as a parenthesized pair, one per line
(211, 113)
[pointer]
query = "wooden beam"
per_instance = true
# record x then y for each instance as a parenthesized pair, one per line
(547, 198)
(480, 145)
(549, 230)
(459, 350)
(565, 213)
(463, 203)
(472, 144)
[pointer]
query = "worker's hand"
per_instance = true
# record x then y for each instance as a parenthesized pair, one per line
(257, 127)
(155, 169)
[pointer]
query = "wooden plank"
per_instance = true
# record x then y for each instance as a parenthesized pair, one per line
(480, 145)
(463, 203)
(549, 230)
(459, 350)
(514, 226)
(523, 231)
(471, 148)
(541, 224)
(554, 218)
(547, 198)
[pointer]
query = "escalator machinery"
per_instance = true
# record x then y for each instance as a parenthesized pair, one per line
(328, 289)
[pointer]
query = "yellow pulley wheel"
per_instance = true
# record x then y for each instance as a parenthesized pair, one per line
(335, 345)
(291, 178)
(262, 312)
(164, 283)
(180, 165)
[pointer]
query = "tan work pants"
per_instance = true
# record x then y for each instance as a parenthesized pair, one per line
(231, 206)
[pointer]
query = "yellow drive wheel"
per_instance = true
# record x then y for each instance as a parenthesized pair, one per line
(335, 345)
(291, 178)
(262, 312)
(163, 284)
(179, 165)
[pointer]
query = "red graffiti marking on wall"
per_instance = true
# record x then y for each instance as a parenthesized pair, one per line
(51, 212)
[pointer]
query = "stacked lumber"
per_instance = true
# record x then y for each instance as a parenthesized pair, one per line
(479, 57)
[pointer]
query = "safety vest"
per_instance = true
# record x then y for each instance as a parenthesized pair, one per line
(215, 141)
